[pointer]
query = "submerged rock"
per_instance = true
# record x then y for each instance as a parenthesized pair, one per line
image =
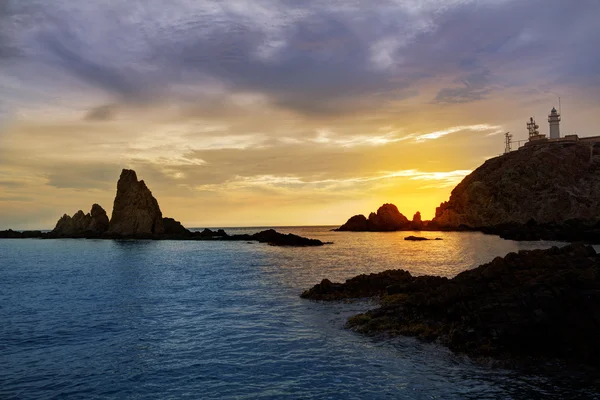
(135, 211)
(531, 305)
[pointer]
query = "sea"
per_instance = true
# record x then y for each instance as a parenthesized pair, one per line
(136, 319)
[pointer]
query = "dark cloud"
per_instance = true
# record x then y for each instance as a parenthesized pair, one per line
(65, 47)
(474, 87)
(312, 57)
(102, 113)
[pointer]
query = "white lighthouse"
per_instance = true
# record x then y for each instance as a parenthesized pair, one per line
(554, 120)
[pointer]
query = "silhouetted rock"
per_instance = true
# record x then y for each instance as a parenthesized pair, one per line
(531, 305)
(416, 238)
(135, 211)
(275, 238)
(356, 223)
(207, 233)
(416, 223)
(80, 224)
(173, 227)
(387, 218)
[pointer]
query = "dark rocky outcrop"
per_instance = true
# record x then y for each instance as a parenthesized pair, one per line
(387, 218)
(269, 236)
(93, 223)
(530, 306)
(550, 184)
(209, 234)
(135, 211)
(10, 234)
(274, 238)
(357, 223)
(173, 227)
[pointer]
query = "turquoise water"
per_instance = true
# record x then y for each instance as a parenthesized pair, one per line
(206, 320)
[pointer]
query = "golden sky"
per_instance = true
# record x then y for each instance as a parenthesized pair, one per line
(277, 114)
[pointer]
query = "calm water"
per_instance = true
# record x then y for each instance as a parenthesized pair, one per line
(206, 320)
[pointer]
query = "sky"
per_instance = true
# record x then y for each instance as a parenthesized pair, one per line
(278, 112)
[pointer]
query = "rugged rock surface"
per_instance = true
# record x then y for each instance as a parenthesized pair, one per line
(387, 218)
(529, 306)
(173, 227)
(549, 184)
(135, 211)
(93, 223)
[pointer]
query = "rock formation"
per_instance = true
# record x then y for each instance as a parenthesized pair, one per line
(387, 218)
(545, 184)
(135, 211)
(173, 227)
(417, 222)
(531, 305)
(95, 222)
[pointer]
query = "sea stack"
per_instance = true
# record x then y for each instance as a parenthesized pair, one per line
(95, 222)
(387, 218)
(135, 211)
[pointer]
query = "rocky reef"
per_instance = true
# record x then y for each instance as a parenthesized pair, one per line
(269, 236)
(532, 306)
(93, 223)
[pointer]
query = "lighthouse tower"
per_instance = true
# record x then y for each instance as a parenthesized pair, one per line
(554, 120)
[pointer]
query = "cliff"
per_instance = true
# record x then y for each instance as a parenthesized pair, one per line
(544, 184)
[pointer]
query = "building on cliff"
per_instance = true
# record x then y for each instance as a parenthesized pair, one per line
(536, 138)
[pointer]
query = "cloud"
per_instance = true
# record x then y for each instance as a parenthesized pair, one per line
(454, 129)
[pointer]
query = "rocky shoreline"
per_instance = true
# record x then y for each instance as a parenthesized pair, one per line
(534, 306)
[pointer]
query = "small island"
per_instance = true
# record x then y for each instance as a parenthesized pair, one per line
(137, 215)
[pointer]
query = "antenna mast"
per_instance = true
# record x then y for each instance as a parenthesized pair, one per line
(508, 142)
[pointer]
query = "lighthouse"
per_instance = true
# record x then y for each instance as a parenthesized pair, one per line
(554, 120)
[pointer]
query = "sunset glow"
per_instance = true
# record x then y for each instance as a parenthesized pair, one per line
(279, 113)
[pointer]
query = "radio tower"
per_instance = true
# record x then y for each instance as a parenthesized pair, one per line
(508, 142)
